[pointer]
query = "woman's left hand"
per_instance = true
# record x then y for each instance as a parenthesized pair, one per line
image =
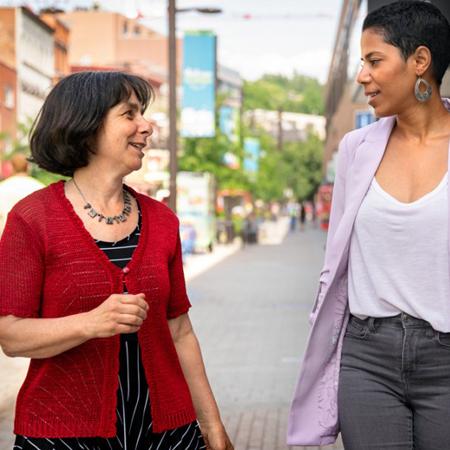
(216, 437)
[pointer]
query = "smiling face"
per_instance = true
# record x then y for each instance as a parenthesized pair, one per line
(123, 137)
(388, 79)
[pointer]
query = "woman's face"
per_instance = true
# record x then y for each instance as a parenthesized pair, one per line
(123, 137)
(388, 79)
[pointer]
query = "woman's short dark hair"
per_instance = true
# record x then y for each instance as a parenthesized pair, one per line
(64, 131)
(410, 24)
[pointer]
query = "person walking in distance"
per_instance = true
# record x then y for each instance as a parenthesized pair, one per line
(92, 288)
(377, 364)
(302, 216)
(16, 187)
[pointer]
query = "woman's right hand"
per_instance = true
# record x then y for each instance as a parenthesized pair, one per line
(118, 314)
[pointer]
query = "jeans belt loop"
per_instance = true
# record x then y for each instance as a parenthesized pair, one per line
(372, 324)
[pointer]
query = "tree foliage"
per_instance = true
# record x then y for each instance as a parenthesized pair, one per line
(298, 93)
(297, 167)
(303, 166)
(207, 155)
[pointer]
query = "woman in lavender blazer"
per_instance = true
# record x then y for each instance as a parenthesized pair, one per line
(377, 363)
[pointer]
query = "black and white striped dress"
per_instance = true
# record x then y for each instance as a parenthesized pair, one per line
(134, 423)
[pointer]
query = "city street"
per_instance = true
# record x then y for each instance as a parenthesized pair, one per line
(250, 309)
(250, 313)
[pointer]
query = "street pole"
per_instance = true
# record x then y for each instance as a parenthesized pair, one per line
(173, 162)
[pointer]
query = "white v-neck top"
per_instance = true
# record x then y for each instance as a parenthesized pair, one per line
(398, 258)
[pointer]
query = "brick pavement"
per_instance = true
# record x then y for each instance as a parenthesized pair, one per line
(250, 313)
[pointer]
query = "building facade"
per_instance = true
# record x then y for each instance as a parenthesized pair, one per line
(61, 45)
(294, 126)
(8, 111)
(35, 63)
(124, 41)
(27, 46)
(8, 80)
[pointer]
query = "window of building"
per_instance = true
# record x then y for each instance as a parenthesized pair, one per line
(9, 97)
(137, 30)
(125, 27)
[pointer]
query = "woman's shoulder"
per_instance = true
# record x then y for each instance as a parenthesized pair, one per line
(355, 137)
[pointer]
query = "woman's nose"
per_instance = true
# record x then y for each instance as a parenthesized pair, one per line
(146, 127)
(363, 75)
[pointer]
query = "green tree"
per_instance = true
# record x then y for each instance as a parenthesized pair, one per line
(207, 155)
(269, 183)
(298, 93)
(302, 166)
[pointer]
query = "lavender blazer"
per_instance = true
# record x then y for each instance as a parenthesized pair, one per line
(313, 418)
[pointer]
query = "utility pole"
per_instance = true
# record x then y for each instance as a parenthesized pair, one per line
(173, 161)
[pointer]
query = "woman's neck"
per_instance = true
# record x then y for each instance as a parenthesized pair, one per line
(424, 120)
(99, 187)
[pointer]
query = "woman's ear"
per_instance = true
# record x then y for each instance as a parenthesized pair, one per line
(422, 60)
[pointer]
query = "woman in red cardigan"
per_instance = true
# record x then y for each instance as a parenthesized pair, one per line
(92, 288)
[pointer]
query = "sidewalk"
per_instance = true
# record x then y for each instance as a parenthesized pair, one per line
(250, 313)
(12, 374)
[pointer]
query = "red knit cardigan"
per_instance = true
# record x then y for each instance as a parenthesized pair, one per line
(50, 267)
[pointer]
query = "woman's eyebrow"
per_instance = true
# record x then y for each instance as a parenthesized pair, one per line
(370, 54)
(132, 105)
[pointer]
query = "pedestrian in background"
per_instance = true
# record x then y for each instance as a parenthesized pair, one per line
(302, 216)
(16, 187)
(92, 288)
(378, 357)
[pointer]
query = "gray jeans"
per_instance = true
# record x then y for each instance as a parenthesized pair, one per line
(394, 386)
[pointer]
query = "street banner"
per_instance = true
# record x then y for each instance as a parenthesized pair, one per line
(252, 150)
(229, 122)
(199, 84)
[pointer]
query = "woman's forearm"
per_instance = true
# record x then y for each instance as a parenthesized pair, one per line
(44, 338)
(191, 361)
(41, 338)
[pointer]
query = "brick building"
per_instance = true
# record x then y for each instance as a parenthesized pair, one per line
(61, 44)
(27, 46)
(124, 42)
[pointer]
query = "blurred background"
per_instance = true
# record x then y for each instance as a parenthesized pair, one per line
(252, 99)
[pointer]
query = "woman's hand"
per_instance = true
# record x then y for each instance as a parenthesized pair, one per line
(216, 437)
(118, 314)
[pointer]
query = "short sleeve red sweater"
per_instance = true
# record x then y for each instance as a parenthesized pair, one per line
(51, 267)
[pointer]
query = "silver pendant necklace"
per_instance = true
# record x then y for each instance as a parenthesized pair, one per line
(109, 220)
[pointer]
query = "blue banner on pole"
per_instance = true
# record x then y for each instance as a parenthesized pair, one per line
(229, 122)
(252, 150)
(199, 84)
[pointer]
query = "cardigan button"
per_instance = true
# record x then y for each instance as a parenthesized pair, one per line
(125, 270)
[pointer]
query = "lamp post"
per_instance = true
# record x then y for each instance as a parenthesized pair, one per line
(173, 161)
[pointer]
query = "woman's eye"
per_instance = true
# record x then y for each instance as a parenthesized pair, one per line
(373, 62)
(129, 114)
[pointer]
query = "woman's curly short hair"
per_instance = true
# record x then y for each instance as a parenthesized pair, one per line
(63, 135)
(410, 24)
